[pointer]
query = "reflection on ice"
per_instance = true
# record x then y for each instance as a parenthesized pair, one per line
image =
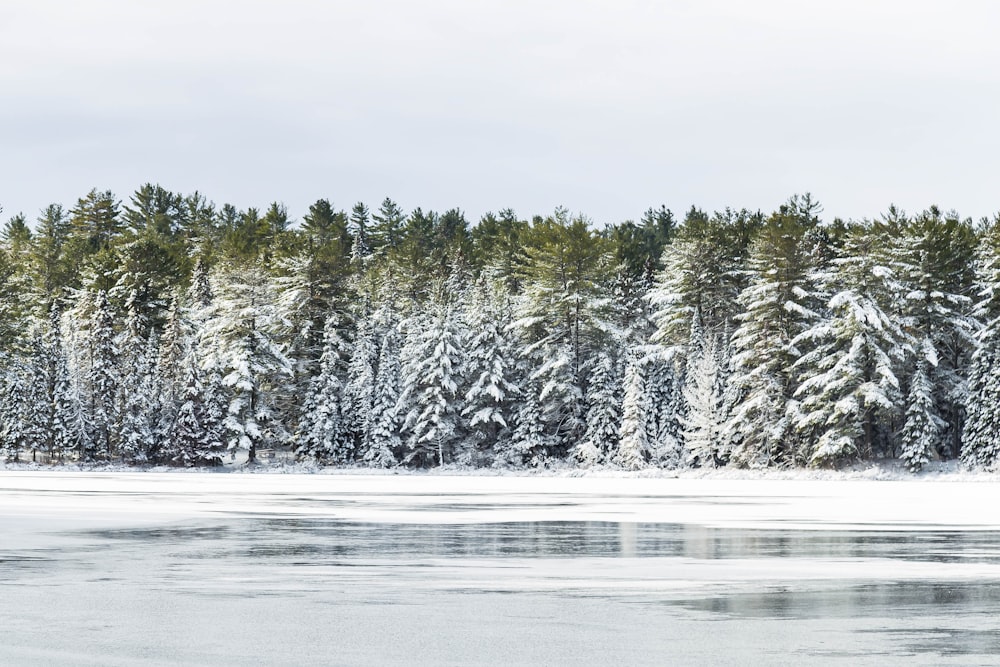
(274, 538)
(871, 600)
(949, 643)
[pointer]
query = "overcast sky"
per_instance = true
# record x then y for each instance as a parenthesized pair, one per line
(605, 108)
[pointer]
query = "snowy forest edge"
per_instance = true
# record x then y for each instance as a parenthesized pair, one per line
(172, 332)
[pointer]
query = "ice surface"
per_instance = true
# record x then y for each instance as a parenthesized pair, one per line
(167, 569)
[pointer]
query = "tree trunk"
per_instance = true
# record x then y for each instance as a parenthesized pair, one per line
(867, 453)
(252, 449)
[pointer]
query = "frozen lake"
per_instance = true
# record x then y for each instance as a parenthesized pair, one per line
(239, 569)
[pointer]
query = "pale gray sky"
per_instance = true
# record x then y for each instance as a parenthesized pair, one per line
(606, 108)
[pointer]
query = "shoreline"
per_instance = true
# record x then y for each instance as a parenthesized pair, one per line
(943, 471)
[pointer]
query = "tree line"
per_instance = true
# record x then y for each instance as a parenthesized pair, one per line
(169, 330)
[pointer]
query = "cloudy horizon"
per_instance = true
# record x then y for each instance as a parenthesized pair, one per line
(606, 109)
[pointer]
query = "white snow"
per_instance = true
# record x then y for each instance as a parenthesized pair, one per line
(797, 502)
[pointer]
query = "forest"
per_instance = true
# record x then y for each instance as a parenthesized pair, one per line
(166, 330)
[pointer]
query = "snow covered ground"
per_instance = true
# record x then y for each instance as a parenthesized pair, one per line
(798, 502)
(167, 568)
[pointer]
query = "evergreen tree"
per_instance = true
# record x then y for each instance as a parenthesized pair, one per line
(16, 237)
(981, 437)
(200, 229)
(934, 258)
(315, 280)
(922, 429)
(155, 210)
(385, 441)
(359, 229)
(151, 253)
(173, 351)
(531, 442)
(95, 219)
(415, 259)
(190, 439)
(640, 247)
(431, 379)
(133, 432)
(71, 423)
(604, 400)
(14, 436)
(51, 272)
(658, 229)
(490, 367)
(498, 245)
(214, 399)
(245, 329)
(850, 391)
(664, 417)
(14, 301)
(705, 414)
(306, 302)
(631, 312)
(634, 446)
(245, 236)
(704, 273)
(358, 391)
(387, 228)
(138, 397)
(95, 225)
(562, 318)
(103, 380)
(776, 307)
(199, 296)
(327, 232)
(321, 435)
(360, 245)
(39, 373)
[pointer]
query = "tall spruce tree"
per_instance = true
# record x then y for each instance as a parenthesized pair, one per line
(663, 373)
(431, 379)
(981, 435)
(532, 442)
(14, 418)
(321, 434)
(562, 318)
(923, 428)
(934, 257)
(360, 381)
(385, 442)
(850, 389)
(776, 307)
(71, 421)
(705, 414)
(634, 446)
(49, 268)
(102, 380)
(191, 440)
(138, 394)
(489, 369)
(95, 225)
(604, 400)
(387, 227)
(245, 329)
